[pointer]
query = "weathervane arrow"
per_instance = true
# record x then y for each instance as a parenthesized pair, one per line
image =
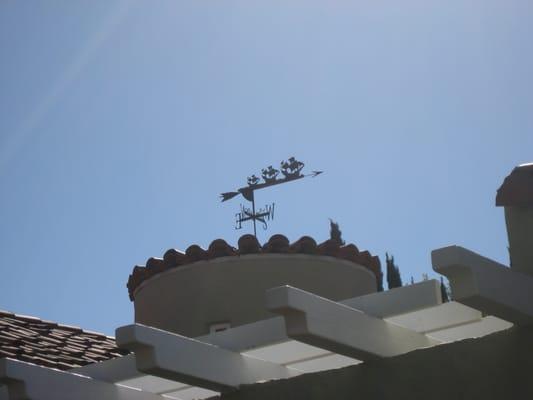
(291, 171)
(248, 191)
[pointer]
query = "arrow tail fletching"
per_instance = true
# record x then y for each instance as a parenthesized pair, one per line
(228, 195)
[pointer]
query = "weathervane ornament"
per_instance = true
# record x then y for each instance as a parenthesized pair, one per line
(291, 170)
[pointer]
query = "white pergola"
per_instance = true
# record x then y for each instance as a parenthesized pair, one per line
(310, 334)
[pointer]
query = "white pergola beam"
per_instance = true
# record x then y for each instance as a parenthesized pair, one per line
(249, 336)
(123, 370)
(341, 329)
(381, 304)
(486, 285)
(113, 370)
(399, 300)
(482, 327)
(269, 331)
(28, 381)
(171, 356)
(264, 333)
(436, 318)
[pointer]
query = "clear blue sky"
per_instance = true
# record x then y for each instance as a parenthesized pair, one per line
(122, 121)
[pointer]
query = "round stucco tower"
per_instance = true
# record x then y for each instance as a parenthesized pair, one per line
(202, 291)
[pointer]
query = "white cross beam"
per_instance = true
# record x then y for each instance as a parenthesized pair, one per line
(393, 302)
(401, 300)
(341, 329)
(28, 381)
(258, 334)
(415, 307)
(486, 285)
(196, 363)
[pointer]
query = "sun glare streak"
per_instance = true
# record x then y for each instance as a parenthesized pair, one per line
(79, 62)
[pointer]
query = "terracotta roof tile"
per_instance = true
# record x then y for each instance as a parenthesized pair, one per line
(304, 245)
(195, 253)
(277, 244)
(53, 345)
(248, 244)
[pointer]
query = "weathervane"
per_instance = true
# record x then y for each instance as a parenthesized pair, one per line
(291, 171)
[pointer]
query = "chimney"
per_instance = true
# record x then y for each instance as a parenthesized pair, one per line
(516, 196)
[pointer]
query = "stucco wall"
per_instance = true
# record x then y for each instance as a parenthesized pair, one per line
(498, 366)
(187, 299)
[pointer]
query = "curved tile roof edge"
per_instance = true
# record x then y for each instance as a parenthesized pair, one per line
(248, 244)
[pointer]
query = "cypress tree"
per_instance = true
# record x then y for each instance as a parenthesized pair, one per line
(394, 279)
(444, 291)
(335, 233)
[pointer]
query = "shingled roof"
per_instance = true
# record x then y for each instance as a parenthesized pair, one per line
(53, 345)
(248, 244)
